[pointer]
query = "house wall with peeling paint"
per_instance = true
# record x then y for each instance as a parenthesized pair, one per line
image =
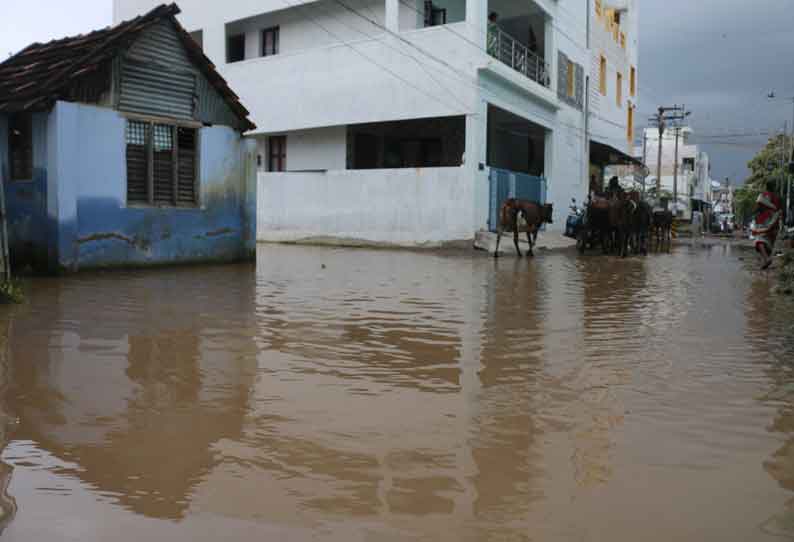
(86, 218)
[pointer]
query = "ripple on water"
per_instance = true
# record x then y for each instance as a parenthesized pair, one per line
(405, 395)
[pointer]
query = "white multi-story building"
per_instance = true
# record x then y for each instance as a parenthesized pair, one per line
(693, 184)
(389, 120)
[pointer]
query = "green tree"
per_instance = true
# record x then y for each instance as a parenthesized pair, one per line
(770, 163)
(744, 202)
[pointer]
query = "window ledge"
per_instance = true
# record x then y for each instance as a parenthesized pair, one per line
(146, 206)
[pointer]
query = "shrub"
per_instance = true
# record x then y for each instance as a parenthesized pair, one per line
(11, 292)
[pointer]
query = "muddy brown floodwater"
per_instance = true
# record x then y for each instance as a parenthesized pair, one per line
(355, 395)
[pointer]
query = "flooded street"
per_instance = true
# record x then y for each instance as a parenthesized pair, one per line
(351, 395)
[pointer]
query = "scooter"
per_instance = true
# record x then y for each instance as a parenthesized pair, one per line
(575, 226)
(575, 220)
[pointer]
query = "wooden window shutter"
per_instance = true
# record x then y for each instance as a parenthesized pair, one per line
(163, 160)
(187, 171)
(137, 162)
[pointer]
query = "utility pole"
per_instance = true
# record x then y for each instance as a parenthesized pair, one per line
(675, 172)
(644, 158)
(666, 115)
(659, 120)
(782, 181)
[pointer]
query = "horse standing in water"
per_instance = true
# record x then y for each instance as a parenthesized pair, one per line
(663, 227)
(534, 214)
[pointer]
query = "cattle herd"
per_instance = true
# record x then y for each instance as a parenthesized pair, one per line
(620, 223)
(624, 223)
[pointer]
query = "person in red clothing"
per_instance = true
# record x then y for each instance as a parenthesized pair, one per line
(767, 223)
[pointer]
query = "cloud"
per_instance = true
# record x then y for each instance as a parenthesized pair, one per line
(28, 21)
(720, 58)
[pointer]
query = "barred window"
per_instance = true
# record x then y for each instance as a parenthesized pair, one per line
(162, 164)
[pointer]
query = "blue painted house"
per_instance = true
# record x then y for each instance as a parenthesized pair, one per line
(124, 147)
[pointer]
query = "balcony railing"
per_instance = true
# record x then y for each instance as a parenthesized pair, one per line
(508, 50)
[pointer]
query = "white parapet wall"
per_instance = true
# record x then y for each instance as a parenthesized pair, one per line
(399, 207)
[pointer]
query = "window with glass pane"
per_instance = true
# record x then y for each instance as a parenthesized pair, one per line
(162, 164)
(278, 154)
(270, 38)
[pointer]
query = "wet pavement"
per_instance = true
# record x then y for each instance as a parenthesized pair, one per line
(358, 395)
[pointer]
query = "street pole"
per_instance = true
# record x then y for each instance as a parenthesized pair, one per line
(659, 161)
(644, 158)
(781, 181)
(679, 113)
(675, 173)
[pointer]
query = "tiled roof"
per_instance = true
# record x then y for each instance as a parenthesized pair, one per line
(42, 72)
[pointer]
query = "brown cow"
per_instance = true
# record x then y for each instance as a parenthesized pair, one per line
(534, 214)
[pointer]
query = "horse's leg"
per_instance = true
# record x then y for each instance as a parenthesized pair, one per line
(498, 240)
(643, 242)
(530, 236)
(515, 234)
(515, 239)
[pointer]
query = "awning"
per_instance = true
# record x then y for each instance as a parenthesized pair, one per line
(605, 155)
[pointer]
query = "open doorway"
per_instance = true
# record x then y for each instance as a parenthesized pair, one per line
(515, 144)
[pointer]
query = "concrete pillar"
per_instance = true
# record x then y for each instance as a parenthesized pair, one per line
(550, 48)
(393, 15)
(476, 156)
(477, 20)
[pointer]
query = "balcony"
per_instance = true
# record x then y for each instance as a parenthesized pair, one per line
(510, 51)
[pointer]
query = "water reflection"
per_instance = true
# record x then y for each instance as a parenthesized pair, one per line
(8, 505)
(771, 332)
(392, 395)
(130, 395)
(504, 431)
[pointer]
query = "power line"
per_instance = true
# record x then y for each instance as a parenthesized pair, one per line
(369, 59)
(416, 60)
(464, 78)
(640, 88)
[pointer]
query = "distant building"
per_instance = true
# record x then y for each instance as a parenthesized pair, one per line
(694, 184)
(123, 147)
(723, 198)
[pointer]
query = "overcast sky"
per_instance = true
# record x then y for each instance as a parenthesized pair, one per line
(719, 57)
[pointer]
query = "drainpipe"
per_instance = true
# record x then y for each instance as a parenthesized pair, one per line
(588, 25)
(586, 160)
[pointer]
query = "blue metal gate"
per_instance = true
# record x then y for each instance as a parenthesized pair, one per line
(505, 184)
